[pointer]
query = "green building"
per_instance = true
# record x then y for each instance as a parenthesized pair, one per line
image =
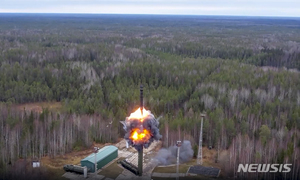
(103, 157)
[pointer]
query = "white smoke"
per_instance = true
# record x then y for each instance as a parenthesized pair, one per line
(169, 156)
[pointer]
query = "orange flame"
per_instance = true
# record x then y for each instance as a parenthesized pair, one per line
(140, 137)
(138, 114)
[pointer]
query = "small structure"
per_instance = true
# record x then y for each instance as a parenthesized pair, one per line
(35, 163)
(103, 157)
(178, 144)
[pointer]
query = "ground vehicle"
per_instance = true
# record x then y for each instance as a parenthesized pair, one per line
(74, 168)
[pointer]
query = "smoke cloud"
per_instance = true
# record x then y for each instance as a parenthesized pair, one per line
(149, 123)
(169, 156)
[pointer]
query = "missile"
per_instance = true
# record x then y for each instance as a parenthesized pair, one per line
(141, 99)
(140, 151)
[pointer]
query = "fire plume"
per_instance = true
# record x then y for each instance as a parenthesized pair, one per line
(138, 114)
(141, 128)
(138, 136)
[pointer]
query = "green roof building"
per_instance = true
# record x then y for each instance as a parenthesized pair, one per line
(103, 157)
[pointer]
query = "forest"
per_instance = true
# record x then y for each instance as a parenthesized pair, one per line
(242, 71)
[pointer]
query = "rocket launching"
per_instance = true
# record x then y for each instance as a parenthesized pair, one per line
(141, 129)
